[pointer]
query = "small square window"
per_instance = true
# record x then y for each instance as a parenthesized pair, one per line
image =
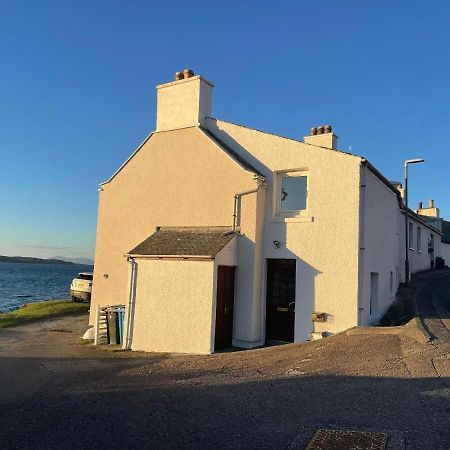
(293, 192)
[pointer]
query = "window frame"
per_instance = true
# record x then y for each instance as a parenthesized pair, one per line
(278, 177)
(419, 240)
(410, 235)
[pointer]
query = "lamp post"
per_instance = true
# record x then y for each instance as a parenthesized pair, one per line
(407, 162)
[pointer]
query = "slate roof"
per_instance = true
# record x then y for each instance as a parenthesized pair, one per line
(189, 241)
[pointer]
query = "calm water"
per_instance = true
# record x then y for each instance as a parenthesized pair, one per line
(26, 283)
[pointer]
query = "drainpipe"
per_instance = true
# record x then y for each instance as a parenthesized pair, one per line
(237, 206)
(362, 243)
(256, 335)
(130, 307)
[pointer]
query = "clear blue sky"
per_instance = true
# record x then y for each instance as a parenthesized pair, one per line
(77, 93)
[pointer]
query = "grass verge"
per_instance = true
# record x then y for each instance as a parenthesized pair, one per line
(41, 310)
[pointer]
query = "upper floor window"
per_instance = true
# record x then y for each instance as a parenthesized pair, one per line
(411, 236)
(419, 239)
(293, 192)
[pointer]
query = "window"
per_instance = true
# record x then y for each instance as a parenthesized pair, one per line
(419, 239)
(293, 192)
(411, 236)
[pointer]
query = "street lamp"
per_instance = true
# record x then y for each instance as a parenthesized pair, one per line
(407, 162)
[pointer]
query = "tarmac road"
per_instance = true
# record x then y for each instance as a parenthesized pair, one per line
(55, 393)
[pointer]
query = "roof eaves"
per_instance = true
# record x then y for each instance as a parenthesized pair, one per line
(382, 178)
(128, 160)
(342, 152)
(231, 153)
(413, 215)
(138, 255)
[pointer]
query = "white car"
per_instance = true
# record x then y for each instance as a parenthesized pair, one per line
(81, 287)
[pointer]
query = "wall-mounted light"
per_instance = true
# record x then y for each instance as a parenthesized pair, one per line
(105, 275)
(276, 244)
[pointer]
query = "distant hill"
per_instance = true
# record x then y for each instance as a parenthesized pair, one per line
(85, 261)
(29, 260)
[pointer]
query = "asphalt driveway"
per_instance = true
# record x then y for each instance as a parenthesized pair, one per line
(56, 393)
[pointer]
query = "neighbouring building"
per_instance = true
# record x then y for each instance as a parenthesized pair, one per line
(214, 234)
(432, 216)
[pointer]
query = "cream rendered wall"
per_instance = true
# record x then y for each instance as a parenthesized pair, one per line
(324, 242)
(173, 306)
(379, 245)
(183, 103)
(177, 178)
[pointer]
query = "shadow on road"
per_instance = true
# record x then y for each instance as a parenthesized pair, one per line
(126, 404)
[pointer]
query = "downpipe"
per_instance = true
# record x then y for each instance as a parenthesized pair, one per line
(130, 307)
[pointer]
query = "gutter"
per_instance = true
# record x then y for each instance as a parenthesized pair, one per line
(412, 215)
(385, 181)
(199, 257)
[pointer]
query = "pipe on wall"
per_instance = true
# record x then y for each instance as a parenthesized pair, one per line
(362, 243)
(237, 206)
(130, 307)
(255, 336)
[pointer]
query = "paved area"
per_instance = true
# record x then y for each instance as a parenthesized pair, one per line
(56, 393)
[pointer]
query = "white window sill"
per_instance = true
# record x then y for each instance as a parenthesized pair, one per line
(295, 219)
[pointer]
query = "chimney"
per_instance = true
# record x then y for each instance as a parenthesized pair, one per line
(431, 211)
(184, 102)
(322, 136)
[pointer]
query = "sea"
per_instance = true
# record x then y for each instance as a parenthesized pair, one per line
(22, 283)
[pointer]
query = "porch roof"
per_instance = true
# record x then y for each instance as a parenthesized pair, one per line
(184, 242)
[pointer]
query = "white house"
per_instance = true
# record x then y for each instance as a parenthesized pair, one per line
(215, 234)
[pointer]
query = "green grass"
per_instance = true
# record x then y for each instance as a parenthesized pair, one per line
(41, 310)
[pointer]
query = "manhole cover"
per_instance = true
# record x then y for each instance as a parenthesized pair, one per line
(347, 440)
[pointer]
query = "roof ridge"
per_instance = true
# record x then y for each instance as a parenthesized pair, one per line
(284, 137)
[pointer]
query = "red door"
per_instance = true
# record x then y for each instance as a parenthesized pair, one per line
(224, 307)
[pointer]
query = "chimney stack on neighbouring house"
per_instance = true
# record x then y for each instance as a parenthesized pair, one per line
(184, 102)
(399, 188)
(322, 136)
(431, 211)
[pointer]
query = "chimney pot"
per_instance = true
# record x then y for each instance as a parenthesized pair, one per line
(320, 130)
(431, 204)
(328, 128)
(420, 205)
(188, 73)
(179, 76)
(313, 131)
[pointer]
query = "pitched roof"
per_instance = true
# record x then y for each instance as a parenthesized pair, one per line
(185, 242)
(232, 153)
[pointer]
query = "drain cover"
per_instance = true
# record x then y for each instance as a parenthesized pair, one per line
(347, 440)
